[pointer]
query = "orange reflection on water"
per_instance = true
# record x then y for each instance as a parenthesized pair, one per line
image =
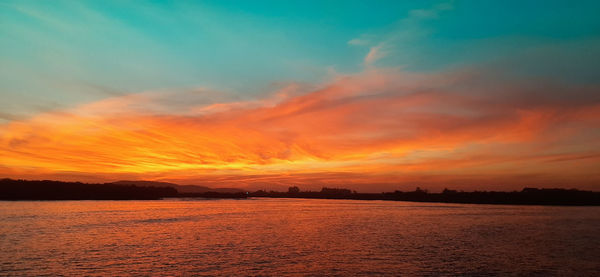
(294, 237)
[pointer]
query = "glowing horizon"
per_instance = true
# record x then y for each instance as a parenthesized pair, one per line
(382, 114)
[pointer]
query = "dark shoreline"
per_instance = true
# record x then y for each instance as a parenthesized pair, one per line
(16, 190)
(528, 196)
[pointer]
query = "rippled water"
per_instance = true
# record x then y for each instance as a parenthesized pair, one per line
(295, 237)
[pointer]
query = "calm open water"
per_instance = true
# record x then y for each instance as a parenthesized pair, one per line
(295, 237)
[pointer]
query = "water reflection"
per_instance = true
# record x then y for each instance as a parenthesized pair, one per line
(295, 237)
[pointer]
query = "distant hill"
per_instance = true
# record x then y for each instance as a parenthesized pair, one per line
(57, 190)
(179, 188)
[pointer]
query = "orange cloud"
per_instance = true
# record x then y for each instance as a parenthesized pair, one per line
(372, 131)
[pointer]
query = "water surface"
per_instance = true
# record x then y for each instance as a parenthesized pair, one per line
(295, 237)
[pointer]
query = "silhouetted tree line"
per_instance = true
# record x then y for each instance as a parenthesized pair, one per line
(57, 190)
(294, 192)
(527, 196)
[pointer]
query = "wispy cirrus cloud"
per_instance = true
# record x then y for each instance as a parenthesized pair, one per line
(376, 127)
(375, 53)
(407, 31)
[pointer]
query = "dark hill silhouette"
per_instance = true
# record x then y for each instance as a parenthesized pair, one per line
(128, 190)
(56, 190)
(179, 188)
(144, 183)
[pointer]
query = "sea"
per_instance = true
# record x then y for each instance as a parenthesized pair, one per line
(295, 237)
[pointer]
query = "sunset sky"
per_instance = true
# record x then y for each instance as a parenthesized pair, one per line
(366, 95)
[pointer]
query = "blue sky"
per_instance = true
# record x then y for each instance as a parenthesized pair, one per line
(57, 54)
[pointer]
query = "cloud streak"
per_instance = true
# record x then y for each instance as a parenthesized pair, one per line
(407, 31)
(375, 53)
(373, 130)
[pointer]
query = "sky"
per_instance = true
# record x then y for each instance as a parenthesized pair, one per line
(367, 95)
